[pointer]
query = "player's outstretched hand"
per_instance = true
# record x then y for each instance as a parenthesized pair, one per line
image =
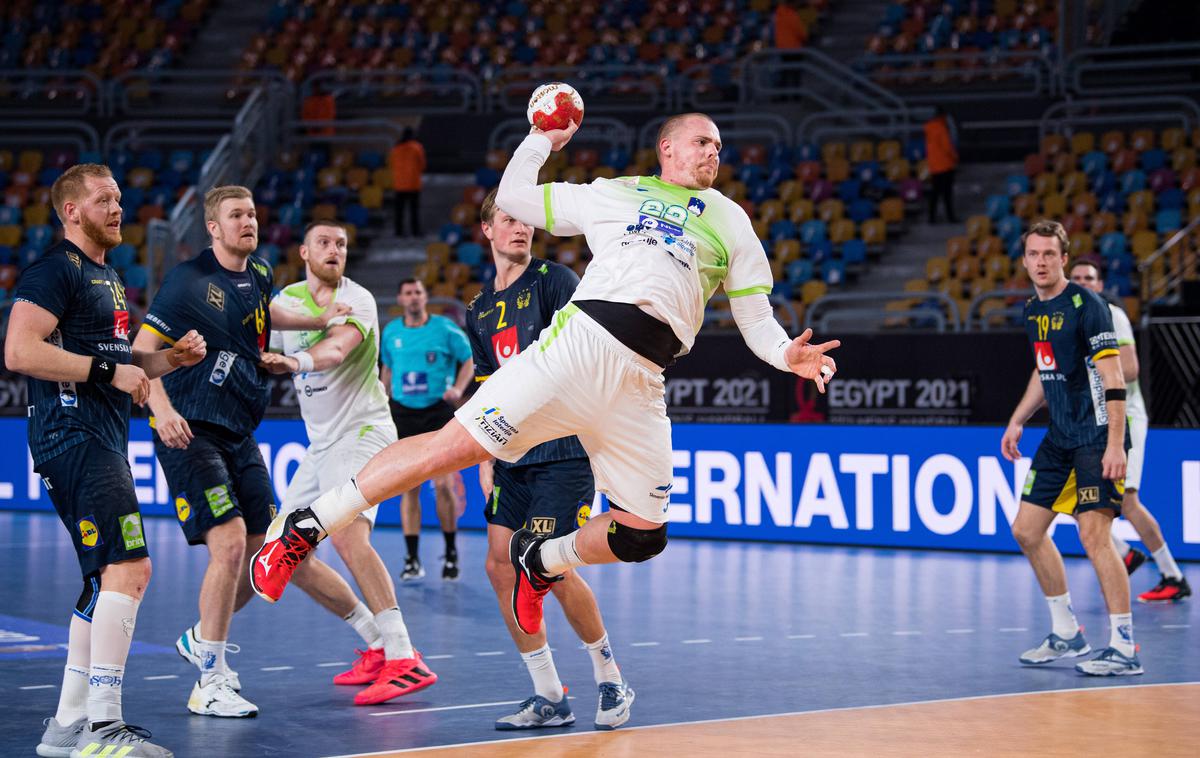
(1113, 463)
(278, 363)
(333, 311)
(1008, 443)
(188, 350)
(132, 380)
(453, 396)
(558, 137)
(173, 429)
(810, 361)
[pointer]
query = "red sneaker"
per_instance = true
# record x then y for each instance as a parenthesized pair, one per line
(365, 670)
(531, 585)
(1168, 590)
(398, 677)
(289, 540)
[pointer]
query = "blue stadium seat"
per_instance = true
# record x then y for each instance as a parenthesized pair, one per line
(812, 231)
(1168, 220)
(353, 213)
(1016, 184)
(782, 229)
(1009, 228)
(833, 272)
(1112, 201)
(370, 159)
(122, 256)
(470, 253)
(1094, 163)
(487, 177)
(849, 190)
(1153, 160)
(450, 234)
(291, 215)
(854, 252)
(9, 215)
(135, 277)
(799, 271)
(41, 236)
(271, 253)
(998, 207)
(1172, 199)
(1133, 181)
(1113, 244)
(820, 250)
(860, 210)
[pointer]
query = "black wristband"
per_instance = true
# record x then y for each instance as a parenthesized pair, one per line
(1114, 395)
(103, 370)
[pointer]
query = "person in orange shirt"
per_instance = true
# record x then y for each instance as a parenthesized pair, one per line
(407, 161)
(319, 106)
(790, 30)
(942, 159)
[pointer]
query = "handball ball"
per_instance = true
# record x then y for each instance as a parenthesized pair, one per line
(554, 105)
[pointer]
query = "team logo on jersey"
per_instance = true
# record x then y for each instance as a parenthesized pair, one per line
(523, 299)
(74, 258)
(215, 297)
(431, 356)
(183, 509)
(89, 535)
(414, 383)
(695, 205)
(1044, 356)
(542, 524)
(131, 531)
(1056, 321)
(121, 325)
(505, 345)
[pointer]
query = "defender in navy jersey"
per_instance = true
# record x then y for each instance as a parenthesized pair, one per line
(1079, 468)
(204, 419)
(549, 490)
(68, 331)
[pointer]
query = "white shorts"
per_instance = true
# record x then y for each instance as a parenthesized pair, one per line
(1138, 427)
(322, 470)
(578, 379)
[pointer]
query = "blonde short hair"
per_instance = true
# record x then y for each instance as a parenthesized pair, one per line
(217, 195)
(72, 184)
(670, 125)
(487, 211)
(1047, 228)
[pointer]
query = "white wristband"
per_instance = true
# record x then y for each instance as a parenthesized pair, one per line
(304, 362)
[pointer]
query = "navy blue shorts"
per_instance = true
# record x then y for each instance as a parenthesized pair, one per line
(552, 499)
(217, 478)
(92, 490)
(1071, 481)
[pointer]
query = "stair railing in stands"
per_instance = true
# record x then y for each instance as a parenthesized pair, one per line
(1169, 284)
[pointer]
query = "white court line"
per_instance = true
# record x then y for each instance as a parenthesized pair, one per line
(642, 644)
(160, 676)
(695, 642)
(1176, 626)
(1012, 629)
(491, 652)
(906, 633)
(332, 663)
(960, 631)
(801, 636)
(437, 657)
(38, 687)
(544, 737)
(277, 668)
(854, 634)
(747, 639)
(454, 707)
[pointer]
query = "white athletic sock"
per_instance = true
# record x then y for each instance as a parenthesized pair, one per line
(396, 644)
(1121, 545)
(212, 659)
(338, 507)
(113, 621)
(559, 554)
(1166, 562)
(540, 663)
(72, 699)
(364, 623)
(604, 665)
(1062, 616)
(1121, 636)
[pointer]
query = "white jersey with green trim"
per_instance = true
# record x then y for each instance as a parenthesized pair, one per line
(348, 397)
(659, 245)
(1135, 405)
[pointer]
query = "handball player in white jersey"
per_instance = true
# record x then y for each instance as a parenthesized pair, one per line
(661, 249)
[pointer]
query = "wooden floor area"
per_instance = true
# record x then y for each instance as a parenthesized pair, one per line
(1160, 720)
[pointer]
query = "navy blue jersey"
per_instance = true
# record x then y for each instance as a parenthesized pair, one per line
(93, 320)
(502, 324)
(1069, 333)
(231, 311)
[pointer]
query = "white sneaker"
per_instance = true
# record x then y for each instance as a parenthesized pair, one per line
(1054, 647)
(217, 698)
(186, 646)
(615, 701)
(1111, 662)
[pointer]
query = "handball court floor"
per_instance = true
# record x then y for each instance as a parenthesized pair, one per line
(734, 649)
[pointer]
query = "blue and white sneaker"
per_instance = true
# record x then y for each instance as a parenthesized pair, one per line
(1054, 648)
(186, 646)
(1111, 662)
(538, 712)
(615, 700)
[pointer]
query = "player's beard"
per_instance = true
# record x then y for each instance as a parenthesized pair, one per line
(329, 275)
(701, 179)
(100, 234)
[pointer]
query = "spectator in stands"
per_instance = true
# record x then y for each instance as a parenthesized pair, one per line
(407, 160)
(942, 158)
(790, 31)
(319, 105)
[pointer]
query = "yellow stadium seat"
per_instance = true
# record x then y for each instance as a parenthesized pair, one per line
(357, 178)
(463, 214)
(978, 227)
(437, 253)
(30, 161)
(1082, 243)
(1053, 144)
(1083, 142)
(789, 190)
(1144, 243)
(897, 169)
(1142, 200)
(997, 267)
(1064, 163)
(371, 197)
(1112, 141)
(891, 210)
(862, 150)
(786, 251)
(1083, 204)
(1172, 139)
(1182, 159)
(812, 290)
(1045, 183)
(1133, 222)
(841, 230)
(800, 210)
(1142, 140)
(6, 160)
(10, 235)
(324, 212)
(916, 285)
(382, 177)
(1074, 183)
(1025, 206)
(937, 269)
(444, 289)
(831, 210)
(874, 232)
(771, 211)
(989, 246)
(1054, 205)
(36, 214)
(888, 150)
(958, 247)
(471, 290)
(134, 234)
(837, 170)
(832, 151)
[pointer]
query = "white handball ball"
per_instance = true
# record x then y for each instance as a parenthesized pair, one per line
(555, 105)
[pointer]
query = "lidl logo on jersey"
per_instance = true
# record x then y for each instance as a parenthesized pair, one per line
(414, 383)
(583, 514)
(505, 345)
(183, 509)
(655, 215)
(131, 531)
(1044, 356)
(89, 535)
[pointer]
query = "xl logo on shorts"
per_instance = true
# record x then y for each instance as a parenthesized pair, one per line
(493, 424)
(131, 531)
(218, 499)
(1088, 495)
(89, 535)
(542, 525)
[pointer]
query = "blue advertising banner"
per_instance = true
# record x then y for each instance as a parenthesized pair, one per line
(906, 487)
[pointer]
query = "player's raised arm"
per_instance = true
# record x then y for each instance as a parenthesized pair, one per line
(519, 193)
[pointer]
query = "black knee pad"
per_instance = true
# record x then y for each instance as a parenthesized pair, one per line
(636, 545)
(87, 599)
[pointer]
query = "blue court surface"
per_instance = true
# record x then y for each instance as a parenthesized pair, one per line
(708, 630)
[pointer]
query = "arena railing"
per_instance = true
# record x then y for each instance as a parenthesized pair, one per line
(961, 76)
(603, 131)
(1169, 285)
(609, 87)
(25, 132)
(791, 319)
(1133, 70)
(736, 127)
(977, 320)
(823, 125)
(33, 92)
(774, 76)
(1130, 112)
(409, 90)
(816, 317)
(190, 93)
